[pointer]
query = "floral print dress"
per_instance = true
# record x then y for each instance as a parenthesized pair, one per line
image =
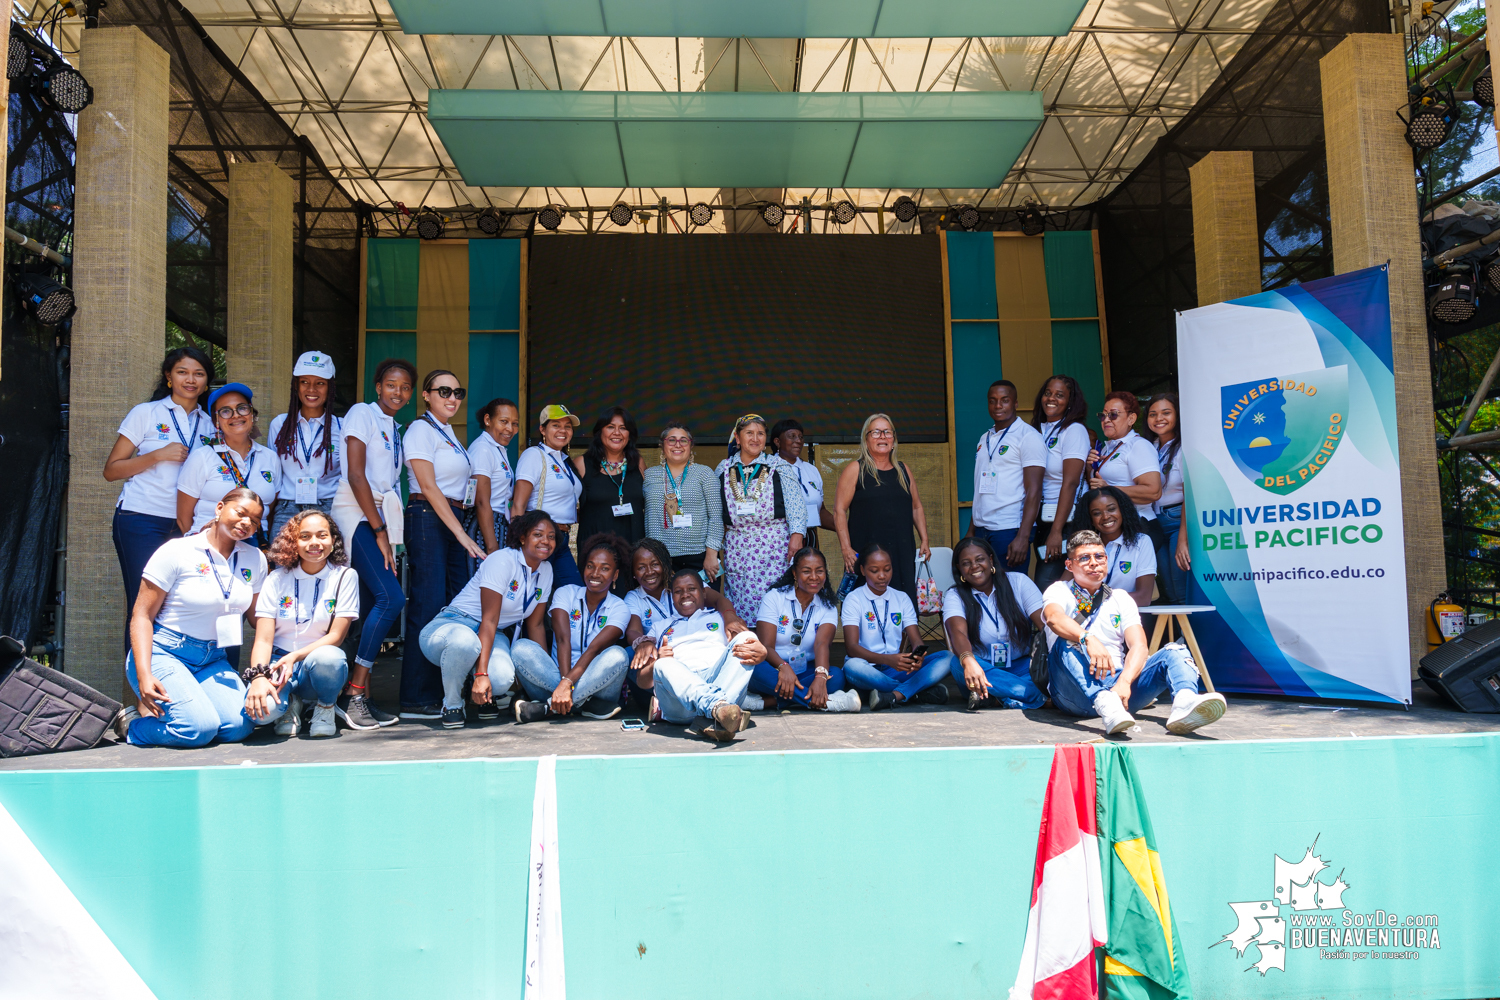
(755, 540)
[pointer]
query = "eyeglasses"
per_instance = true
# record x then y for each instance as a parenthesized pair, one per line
(1112, 416)
(225, 412)
(1091, 557)
(677, 441)
(882, 434)
(448, 392)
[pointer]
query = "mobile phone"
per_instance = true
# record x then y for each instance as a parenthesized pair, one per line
(631, 725)
(920, 650)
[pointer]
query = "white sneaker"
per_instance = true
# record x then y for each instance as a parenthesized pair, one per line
(323, 722)
(291, 719)
(1192, 711)
(844, 701)
(1112, 712)
(753, 702)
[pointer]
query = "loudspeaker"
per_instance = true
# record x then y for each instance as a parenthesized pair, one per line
(44, 710)
(1466, 669)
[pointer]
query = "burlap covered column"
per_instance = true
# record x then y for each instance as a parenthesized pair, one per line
(1373, 205)
(261, 221)
(1226, 239)
(119, 331)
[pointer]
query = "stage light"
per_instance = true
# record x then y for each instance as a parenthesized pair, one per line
(844, 212)
(772, 215)
(1032, 221)
(429, 225)
(1455, 300)
(550, 217)
(47, 301)
(701, 214)
(1430, 121)
(963, 216)
(904, 209)
(64, 88)
(18, 57)
(1492, 272)
(1484, 89)
(620, 214)
(489, 222)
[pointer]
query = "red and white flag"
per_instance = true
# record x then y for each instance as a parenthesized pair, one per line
(1067, 920)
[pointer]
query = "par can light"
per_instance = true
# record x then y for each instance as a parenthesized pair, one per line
(44, 299)
(64, 88)
(904, 209)
(701, 214)
(966, 217)
(1032, 221)
(620, 214)
(17, 57)
(489, 222)
(1484, 89)
(772, 215)
(844, 212)
(1492, 272)
(429, 225)
(1429, 121)
(1455, 300)
(550, 217)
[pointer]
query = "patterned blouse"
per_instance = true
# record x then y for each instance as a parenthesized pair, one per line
(699, 489)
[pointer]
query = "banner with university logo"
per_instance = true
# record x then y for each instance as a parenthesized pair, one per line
(1293, 490)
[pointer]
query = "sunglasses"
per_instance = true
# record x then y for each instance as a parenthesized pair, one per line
(225, 412)
(1091, 557)
(448, 392)
(797, 623)
(1117, 415)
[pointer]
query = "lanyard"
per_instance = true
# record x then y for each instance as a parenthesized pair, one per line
(192, 437)
(239, 480)
(1162, 459)
(233, 568)
(562, 460)
(884, 614)
(307, 449)
(619, 484)
(674, 485)
(1112, 556)
(530, 594)
(1104, 460)
(505, 463)
(586, 619)
(665, 612)
(745, 480)
(446, 437)
(990, 452)
(990, 613)
(297, 602)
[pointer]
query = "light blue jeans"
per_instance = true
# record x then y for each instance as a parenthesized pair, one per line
(208, 697)
(684, 693)
(1011, 683)
(540, 675)
(867, 676)
(451, 640)
(1074, 687)
(317, 678)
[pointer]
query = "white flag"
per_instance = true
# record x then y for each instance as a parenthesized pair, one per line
(545, 977)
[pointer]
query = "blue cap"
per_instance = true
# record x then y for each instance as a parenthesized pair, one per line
(239, 387)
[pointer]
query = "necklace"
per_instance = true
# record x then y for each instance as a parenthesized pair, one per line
(611, 468)
(737, 485)
(1084, 599)
(672, 505)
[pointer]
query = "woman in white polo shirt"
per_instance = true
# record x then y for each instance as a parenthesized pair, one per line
(1008, 467)
(307, 444)
(796, 624)
(1132, 556)
(512, 586)
(196, 593)
(546, 479)
(878, 621)
(988, 616)
(234, 460)
(438, 546)
(1165, 431)
(155, 438)
(1125, 459)
(499, 419)
(302, 617)
(1058, 414)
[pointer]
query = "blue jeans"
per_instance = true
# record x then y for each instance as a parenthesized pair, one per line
(285, 510)
(763, 681)
(1074, 687)
(439, 566)
(137, 537)
(451, 640)
(683, 693)
(317, 678)
(867, 676)
(1169, 575)
(540, 675)
(564, 566)
(1011, 683)
(380, 596)
(208, 697)
(999, 539)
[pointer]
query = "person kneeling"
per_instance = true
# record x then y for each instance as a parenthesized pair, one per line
(1097, 651)
(876, 620)
(301, 618)
(700, 669)
(798, 603)
(585, 673)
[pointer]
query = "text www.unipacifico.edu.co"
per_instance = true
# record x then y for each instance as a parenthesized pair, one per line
(1300, 573)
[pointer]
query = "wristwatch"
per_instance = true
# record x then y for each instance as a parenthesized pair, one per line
(379, 529)
(820, 671)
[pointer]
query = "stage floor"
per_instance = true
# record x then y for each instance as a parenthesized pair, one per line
(919, 726)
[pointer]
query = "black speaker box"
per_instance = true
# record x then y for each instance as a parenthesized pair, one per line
(44, 710)
(1466, 669)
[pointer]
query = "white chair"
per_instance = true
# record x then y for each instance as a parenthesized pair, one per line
(930, 627)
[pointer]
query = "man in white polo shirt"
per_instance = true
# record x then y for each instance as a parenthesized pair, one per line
(1008, 467)
(1097, 651)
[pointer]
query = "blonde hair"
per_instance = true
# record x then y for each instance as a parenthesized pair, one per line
(867, 464)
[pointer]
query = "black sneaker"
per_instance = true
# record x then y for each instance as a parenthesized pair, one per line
(382, 718)
(935, 695)
(881, 700)
(354, 712)
(600, 707)
(453, 718)
(529, 711)
(432, 711)
(489, 710)
(978, 701)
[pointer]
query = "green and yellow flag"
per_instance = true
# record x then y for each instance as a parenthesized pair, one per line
(1143, 959)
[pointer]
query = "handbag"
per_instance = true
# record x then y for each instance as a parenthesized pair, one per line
(929, 594)
(44, 710)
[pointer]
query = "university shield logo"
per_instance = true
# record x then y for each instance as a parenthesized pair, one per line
(267, 475)
(712, 626)
(1125, 566)
(896, 618)
(1282, 431)
(330, 604)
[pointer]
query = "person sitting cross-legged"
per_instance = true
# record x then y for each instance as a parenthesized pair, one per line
(1097, 658)
(878, 621)
(700, 670)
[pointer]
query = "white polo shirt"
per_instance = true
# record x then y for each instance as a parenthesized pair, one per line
(209, 473)
(202, 585)
(491, 461)
(1128, 563)
(782, 609)
(1171, 476)
(812, 489)
(564, 486)
(304, 606)
(993, 629)
(1116, 615)
(1070, 442)
(882, 619)
(698, 640)
(1000, 462)
(584, 625)
(368, 423)
(430, 440)
(1121, 461)
(505, 572)
(654, 612)
(152, 426)
(303, 463)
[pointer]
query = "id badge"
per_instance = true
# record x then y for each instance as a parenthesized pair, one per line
(623, 509)
(307, 489)
(745, 509)
(989, 483)
(470, 488)
(682, 521)
(1049, 511)
(229, 628)
(1000, 654)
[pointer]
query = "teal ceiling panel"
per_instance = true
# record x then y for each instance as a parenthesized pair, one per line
(508, 138)
(736, 18)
